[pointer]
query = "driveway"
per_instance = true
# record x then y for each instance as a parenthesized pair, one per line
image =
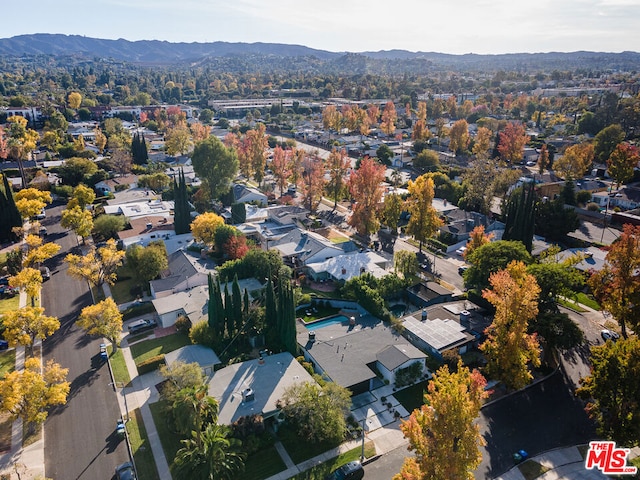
(80, 438)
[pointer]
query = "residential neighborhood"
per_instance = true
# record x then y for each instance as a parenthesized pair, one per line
(300, 280)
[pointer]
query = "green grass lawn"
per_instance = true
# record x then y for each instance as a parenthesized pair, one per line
(141, 351)
(587, 300)
(7, 362)
(299, 449)
(118, 366)
(9, 304)
(322, 312)
(263, 464)
(142, 454)
(170, 440)
(571, 304)
(411, 397)
(319, 294)
(321, 471)
(121, 291)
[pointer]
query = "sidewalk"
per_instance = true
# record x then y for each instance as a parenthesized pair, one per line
(31, 458)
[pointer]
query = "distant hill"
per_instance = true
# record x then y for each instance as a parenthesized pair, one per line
(298, 57)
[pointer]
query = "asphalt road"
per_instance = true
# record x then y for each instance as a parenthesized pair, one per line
(80, 438)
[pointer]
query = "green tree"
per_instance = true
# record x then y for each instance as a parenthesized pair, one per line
(491, 258)
(606, 141)
(424, 221)
(427, 161)
(384, 154)
(215, 164)
(317, 413)
(508, 347)
(107, 226)
(391, 211)
(147, 263)
(443, 433)
(180, 375)
(612, 390)
(10, 217)
(406, 263)
(521, 214)
(75, 170)
(210, 455)
(338, 164)
(182, 209)
(102, 319)
(622, 161)
(554, 221)
(193, 408)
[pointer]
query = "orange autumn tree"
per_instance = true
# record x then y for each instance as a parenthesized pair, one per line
(617, 285)
(508, 347)
(443, 433)
(366, 190)
(280, 167)
(512, 142)
(312, 181)
(477, 238)
(338, 165)
(389, 117)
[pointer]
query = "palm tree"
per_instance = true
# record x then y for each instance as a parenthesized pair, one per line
(193, 408)
(209, 455)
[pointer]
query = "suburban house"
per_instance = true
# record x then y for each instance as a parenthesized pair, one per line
(301, 247)
(425, 294)
(245, 194)
(147, 229)
(255, 386)
(626, 198)
(203, 356)
(443, 327)
(460, 224)
(593, 258)
(141, 208)
(185, 270)
(111, 185)
(189, 303)
(350, 355)
(349, 265)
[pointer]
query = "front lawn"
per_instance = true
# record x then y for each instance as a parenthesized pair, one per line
(169, 439)
(321, 471)
(124, 286)
(321, 312)
(263, 464)
(118, 366)
(411, 397)
(319, 294)
(9, 304)
(142, 453)
(588, 300)
(300, 449)
(141, 351)
(7, 362)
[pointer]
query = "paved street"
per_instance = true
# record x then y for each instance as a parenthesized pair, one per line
(80, 439)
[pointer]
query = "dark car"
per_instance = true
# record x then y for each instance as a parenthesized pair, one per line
(348, 471)
(142, 325)
(4, 280)
(4, 344)
(125, 472)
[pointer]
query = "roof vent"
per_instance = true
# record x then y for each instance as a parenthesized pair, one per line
(424, 314)
(248, 395)
(465, 317)
(312, 336)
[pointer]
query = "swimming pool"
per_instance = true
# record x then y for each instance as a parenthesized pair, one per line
(327, 321)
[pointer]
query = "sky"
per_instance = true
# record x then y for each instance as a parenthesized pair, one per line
(446, 26)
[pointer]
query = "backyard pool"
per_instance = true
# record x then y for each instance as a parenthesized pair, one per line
(327, 321)
(398, 309)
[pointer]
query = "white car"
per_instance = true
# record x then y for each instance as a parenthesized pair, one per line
(609, 335)
(460, 251)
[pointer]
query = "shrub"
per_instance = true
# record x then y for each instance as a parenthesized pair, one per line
(201, 334)
(183, 324)
(137, 310)
(150, 364)
(593, 207)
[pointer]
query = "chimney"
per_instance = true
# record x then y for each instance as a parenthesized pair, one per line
(424, 314)
(344, 271)
(312, 336)
(465, 317)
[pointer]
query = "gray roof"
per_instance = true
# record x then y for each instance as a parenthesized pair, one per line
(394, 356)
(267, 380)
(193, 302)
(181, 265)
(203, 356)
(345, 353)
(304, 244)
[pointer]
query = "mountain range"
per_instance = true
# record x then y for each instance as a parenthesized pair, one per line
(163, 52)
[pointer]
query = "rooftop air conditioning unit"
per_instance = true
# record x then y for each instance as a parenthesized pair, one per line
(248, 395)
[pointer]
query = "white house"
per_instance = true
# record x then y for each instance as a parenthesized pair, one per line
(185, 270)
(245, 194)
(190, 303)
(141, 209)
(349, 265)
(396, 357)
(301, 247)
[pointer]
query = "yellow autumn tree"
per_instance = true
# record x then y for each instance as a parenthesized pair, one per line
(443, 433)
(30, 280)
(31, 201)
(204, 228)
(575, 162)
(27, 394)
(389, 117)
(424, 221)
(482, 143)
(74, 99)
(508, 347)
(78, 220)
(28, 324)
(98, 265)
(38, 252)
(459, 136)
(102, 319)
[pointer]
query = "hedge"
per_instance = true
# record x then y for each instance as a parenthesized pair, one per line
(137, 310)
(150, 364)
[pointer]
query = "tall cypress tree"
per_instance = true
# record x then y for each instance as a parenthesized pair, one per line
(236, 295)
(9, 214)
(246, 302)
(521, 214)
(228, 312)
(271, 314)
(181, 209)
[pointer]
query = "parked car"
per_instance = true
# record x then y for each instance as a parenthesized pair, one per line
(4, 280)
(142, 325)
(461, 270)
(43, 231)
(460, 252)
(348, 471)
(609, 335)
(45, 272)
(42, 215)
(4, 344)
(125, 472)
